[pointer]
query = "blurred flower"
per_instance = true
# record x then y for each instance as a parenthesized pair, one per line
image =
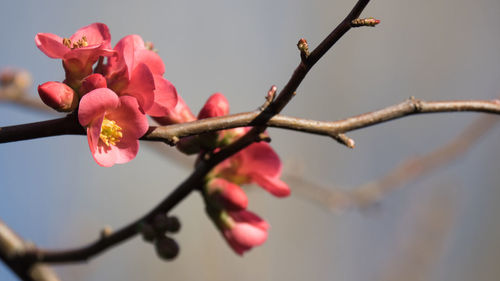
(242, 230)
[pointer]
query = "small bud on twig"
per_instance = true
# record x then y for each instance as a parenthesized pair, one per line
(270, 97)
(365, 22)
(303, 48)
(166, 248)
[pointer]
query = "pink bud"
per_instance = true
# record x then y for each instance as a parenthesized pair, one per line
(92, 82)
(216, 105)
(248, 230)
(59, 96)
(230, 195)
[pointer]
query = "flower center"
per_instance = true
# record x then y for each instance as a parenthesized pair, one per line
(75, 45)
(110, 132)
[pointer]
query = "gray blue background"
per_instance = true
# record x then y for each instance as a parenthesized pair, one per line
(52, 192)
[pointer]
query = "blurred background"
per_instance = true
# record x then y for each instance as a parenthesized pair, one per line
(439, 227)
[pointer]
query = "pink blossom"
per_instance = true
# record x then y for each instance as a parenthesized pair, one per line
(80, 51)
(59, 96)
(114, 125)
(244, 230)
(137, 71)
(258, 163)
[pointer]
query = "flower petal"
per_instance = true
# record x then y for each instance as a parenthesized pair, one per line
(130, 118)
(165, 97)
(274, 185)
(260, 158)
(141, 86)
(95, 103)
(151, 59)
(96, 34)
(51, 45)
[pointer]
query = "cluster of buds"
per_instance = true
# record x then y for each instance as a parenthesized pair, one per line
(226, 201)
(156, 232)
(113, 98)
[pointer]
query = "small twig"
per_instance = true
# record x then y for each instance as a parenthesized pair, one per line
(345, 140)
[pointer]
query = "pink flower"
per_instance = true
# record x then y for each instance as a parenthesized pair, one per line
(137, 71)
(258, 163)
(80, 51)
(59, 96)
(243, 230)
(114, 125)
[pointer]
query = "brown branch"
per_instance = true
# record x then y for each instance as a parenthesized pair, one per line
(12, 246)
(334, 129)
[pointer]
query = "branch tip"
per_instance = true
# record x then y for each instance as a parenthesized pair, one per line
(106, 231)
(344, 139)
(271, 94)
(303, 48)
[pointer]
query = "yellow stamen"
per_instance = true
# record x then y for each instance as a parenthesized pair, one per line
(78, 44)
(110, 132)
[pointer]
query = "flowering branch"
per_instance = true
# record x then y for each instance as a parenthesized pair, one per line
(195, 180)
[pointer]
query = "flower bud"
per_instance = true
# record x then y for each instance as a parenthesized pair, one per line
(216, 105)
(59, 96)
(189, 145)
(226, 194)
(147, 231)
(92, 82)
(166, 248)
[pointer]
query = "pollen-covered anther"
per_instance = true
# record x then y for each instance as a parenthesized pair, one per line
(110, 132)
(78, 44)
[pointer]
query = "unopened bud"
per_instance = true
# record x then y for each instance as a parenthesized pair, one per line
(147, 231)
(189, 145)
(58, 95)
(160, 223)
(166, 248)
(173, 224)
(92, 82)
